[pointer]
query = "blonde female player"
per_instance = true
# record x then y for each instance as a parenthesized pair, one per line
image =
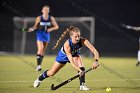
(44, 24)
(70, 52)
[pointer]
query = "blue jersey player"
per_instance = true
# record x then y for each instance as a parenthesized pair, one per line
(70, 52)
(44, 24)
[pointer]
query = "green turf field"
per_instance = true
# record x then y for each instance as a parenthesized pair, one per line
(17, 74)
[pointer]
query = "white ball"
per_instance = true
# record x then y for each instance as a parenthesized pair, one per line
(108, 89)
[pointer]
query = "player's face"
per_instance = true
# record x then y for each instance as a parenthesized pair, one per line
(45, 10)
(75, 37)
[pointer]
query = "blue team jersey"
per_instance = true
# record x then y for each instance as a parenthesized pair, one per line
(75, 51)
(41, 33)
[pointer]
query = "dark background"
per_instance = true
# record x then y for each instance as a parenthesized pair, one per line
(111, 39)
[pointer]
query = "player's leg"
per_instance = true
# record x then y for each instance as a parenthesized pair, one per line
(55, 68)
(45, 44)
(39, 57)
(79, 63)
(138, 63)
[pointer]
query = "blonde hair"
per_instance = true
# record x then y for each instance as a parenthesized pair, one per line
(46, 6)
(71, 29)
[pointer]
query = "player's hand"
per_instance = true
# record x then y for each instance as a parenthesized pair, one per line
(136, 28)
(49, 30)
(31, 29)
(95, 64)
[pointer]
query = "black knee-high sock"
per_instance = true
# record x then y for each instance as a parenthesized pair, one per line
(82, 78)
(39, 59)
(43, 76)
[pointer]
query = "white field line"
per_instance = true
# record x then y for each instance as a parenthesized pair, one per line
(74, 80)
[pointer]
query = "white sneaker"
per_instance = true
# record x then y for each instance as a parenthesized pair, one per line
(38, 68)
(37, 83)
(83, 87)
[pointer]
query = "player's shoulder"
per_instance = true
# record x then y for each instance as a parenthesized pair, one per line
(83, 38)
(38, 17)
(66, 43)
(52, 17)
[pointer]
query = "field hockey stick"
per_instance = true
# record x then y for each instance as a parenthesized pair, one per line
(24, 29)
(68, 80)
(27, 30)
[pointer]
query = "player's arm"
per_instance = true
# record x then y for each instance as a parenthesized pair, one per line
(31, 29)
(136, 28)
(91, 47)
(131, 27)
(93, 50)
(69, 55)
(54, 25)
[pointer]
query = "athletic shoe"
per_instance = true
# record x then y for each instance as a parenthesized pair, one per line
(38, 68)
(138, 64)
(83, 87)
(37, 83)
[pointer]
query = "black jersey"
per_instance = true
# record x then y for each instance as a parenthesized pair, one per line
(75, 48)
(44, 24)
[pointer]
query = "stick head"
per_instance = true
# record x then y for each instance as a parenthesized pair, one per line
(24, 29)
(52, 87)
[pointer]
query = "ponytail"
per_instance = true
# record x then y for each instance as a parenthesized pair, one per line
(70, 29)
(62, 36)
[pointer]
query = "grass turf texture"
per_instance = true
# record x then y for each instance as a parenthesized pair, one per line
(17, 74)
